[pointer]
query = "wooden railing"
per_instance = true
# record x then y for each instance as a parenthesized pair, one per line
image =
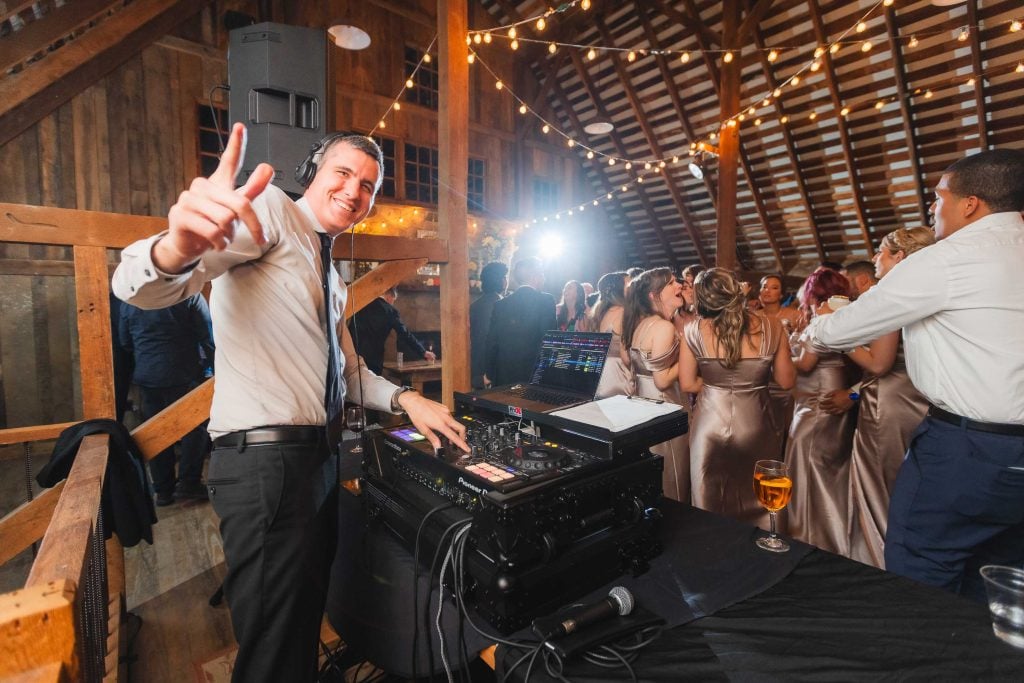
(65, 624)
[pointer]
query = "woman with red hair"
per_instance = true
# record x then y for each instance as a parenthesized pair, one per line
(819, 444)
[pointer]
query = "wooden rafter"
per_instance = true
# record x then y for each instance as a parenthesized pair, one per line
(38, 37)
(642, 254)
(791, 151)
(899, 71)
(828, 66)
(44, 85)
(541, 98)
(762, 213)
(691, 20)
(623, 152)
(753, 18)
(979, 81)
(652, 142)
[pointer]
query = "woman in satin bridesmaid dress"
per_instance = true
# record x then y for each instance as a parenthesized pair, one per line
(890, 409)
(819, 444)
(651, 349)
(728, 360)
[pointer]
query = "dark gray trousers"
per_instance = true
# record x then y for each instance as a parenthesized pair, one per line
(278, 518)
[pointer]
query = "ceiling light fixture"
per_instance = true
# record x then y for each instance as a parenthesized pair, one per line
(348, 36)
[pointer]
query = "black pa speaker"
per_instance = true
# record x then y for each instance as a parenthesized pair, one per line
(278, 79)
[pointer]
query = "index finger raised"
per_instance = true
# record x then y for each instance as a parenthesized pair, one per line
(231, 159)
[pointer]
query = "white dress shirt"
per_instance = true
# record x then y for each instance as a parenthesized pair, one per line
(960, 303)
(268, 314)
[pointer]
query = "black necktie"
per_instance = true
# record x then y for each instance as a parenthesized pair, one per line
(334, 395)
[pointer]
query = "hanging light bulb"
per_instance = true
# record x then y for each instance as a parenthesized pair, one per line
(866, 46)
(757, 122)
(409, 83)
(661, 164)
(647, 166)
(512, 33)
(471, 58)
(541, 24)
(888, 3)
(477, 38)
(773, 55)
(639, 178)
(1020, 68)
(570, 142)
(784, 119)
(815, 65)
(629, 165)
(522, 108)
(1015, 25)
(631, 57)
(585, 5)
(834, 48)
(818, 52)
(766, 102)
(469, 39)
(795, 80)
(487, 38)
(609, 195)
(727, 57)
(861, 27)
(965, 33)
(914, 42)
(675, 158)
(499, 85)
(397, 106)
(426, 58)
(514, 44)
(844, 111)
(751, 111)
(731, 123)
(742, 117)
(382, 124)
(623, 188)
(685, 57)
(545, 128)
(927, 94)
(552, 47)
(970, 81)
(590, 154)
(713, 137)
(813, 115)
(879, 104)
(777, 92)
(594, 202)
(591, 54)
(611, 161)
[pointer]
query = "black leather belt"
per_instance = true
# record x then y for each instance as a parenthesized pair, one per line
(270, 435)
(960, 421)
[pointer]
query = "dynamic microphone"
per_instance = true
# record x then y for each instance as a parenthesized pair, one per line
(618, 603)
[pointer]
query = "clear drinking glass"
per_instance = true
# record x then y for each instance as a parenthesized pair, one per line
(773, 488)
(356, 421)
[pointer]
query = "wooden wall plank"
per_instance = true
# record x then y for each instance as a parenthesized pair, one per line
(26, 524)
(92, 289)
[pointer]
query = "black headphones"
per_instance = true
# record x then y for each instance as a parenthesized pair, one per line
(306, 170)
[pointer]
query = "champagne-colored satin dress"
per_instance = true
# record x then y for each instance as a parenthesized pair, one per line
(732, 428)
(616, 378)
(890, 410)
(675, 479)
(818, 455)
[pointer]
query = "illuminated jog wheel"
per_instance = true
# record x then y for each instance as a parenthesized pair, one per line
(535, 459)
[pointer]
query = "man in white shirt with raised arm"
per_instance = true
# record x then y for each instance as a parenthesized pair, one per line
(272, 479)
(958, 502)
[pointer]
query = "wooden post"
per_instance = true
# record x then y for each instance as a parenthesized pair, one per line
(92, 290)
(453, 157)
(729, 140)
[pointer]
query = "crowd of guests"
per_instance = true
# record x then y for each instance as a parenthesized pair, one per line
(735, 359)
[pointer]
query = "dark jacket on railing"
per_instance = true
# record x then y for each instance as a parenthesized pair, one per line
(127, 504)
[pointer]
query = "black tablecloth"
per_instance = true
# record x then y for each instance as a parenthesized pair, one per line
(830, 619)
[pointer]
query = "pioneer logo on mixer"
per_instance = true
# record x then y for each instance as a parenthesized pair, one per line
(471, 487)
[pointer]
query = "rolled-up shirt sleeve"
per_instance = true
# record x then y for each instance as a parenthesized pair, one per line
(914, 289)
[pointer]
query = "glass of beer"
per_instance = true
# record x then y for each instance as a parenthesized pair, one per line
(773, 488)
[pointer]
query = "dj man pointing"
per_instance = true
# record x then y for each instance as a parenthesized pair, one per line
(279, 372)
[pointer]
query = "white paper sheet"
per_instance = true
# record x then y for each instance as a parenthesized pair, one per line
(618, 413)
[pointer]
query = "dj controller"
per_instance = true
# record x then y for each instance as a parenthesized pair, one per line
(549, 521)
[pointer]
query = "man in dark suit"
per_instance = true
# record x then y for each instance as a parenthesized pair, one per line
(493, 283)
(518, 325)
(371, 326)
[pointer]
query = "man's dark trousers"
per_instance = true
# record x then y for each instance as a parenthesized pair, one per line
(193, 444)
(277, 505)
(957, 504)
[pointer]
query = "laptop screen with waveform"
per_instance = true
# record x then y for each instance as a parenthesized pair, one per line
(571, 361)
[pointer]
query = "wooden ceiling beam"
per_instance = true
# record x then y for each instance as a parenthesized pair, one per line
(652, 141)
(37, 38)
(690, 20)
(979, 80)
(641, 252)
(791, 151)
(716, 83)
(899, 72)
(623, 152)
(42, 86)
(752, 20)
(828, 66)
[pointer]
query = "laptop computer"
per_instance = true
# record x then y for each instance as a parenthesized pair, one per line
(567, 372)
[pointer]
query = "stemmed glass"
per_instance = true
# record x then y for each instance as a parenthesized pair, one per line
(355, 420)
(773, 488)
